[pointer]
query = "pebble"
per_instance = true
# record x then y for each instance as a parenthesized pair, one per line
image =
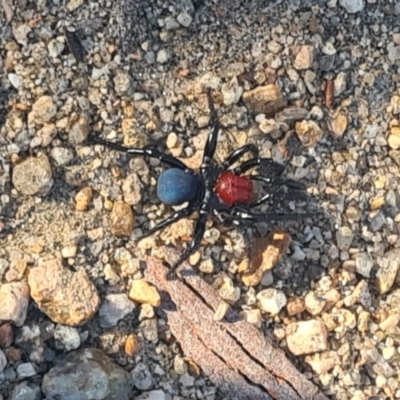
(388, 267)
(43, 110)
(73, 5)
(26, 370)
(395, 105)
(14, 80)
(231, 92)
(253, 317)
(55, 48)
(390, 322)
(271, 300)
(79, 131)
(344, 238)
(123, 84)
(295, 305)
(68, 336)
(338, 124)
(306, 337)
(25, 391)
(66, 297)
(14, 299)
(132, 345)
(141, 377)
(394, 138)
(304, 58)
(114, 308)
(102, 378)
(3, 361)
(393, 52)
(83, 198)
(364, 264)
(152, 395)
(33, 176)
(62, 156)
(6, 335)
(352, 6)
(141, 292)
(69, 251)
(170, 23)
(314, 304)
(16, 270)
(220, 311)
(266, 100)
(308, 132)
(227, 289)
(162, 56)
(121, 219)
(21, 33)
(339, 84)
(184, 19)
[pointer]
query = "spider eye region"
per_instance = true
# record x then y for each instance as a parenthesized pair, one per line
(175, 186)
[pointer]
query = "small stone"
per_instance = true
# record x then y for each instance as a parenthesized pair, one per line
(395, 104)
(153, 395)
(328, 49)
(3, 361)
(68, 336)
(221, 311)
(308, 132)
(66, 297)
(33, 176)
(79, 131)
(295, 306)
(339, 84)
(43, 110)
(364, 264)
(352, 6)
(150, 330)
(253, 317)
(26, 370)
(16, 270)
(394, 138)
(21, 33)
(390, 322)
(363, 320)
(6, 336)
(14, 80)
(45, 135)
(338, 124)
(74, 4)
(389, 265)
(121, 219)
(314, 303)
(102, 379)
(25, 391)
(231, 92)
(14, 299)
(123, 84)
(184, 19)
(344, 238)
(377, 202)
(393, 52)
(141, 377)
(114, 308)
(331, 297)
(132, 345)
(271, 300)
(304, 58)
(83, 198)
(323, 362)
(55, 48)
(170, 23)
(388, 352)
(269, 126)
(306, 337)
(142, 292)
(226, 289)
(264, 100)
(162, 56)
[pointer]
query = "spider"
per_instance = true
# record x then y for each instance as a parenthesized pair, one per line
(220, 190)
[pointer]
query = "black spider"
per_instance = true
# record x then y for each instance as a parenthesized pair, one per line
(220, 190)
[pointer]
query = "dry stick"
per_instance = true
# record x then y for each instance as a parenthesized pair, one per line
(253, 362)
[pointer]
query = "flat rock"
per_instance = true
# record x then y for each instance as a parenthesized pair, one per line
(264, 100)
(86, 375)
(66, 297)
(14, 299)
(306, 337)
(33, 176)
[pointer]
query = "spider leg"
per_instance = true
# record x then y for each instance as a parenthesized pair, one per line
(195, 243)
(234, 156)
(212, 139)
(266, 166)
(149, 152)
(185, 212)
(249, 216)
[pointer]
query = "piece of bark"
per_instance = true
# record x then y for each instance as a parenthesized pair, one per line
(229, 349)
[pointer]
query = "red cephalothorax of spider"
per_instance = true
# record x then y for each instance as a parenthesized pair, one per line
(231, 188)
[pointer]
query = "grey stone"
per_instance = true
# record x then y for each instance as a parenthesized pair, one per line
(85, 375)
(23, 391)
(141, 377)
(114, 308)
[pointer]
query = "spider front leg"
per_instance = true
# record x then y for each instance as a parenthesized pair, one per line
(266, 166)
(149, 152)
(234, 156)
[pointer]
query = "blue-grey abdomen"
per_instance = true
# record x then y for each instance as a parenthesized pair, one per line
(175, 186)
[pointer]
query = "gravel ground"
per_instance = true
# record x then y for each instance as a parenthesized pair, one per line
(324, 74)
